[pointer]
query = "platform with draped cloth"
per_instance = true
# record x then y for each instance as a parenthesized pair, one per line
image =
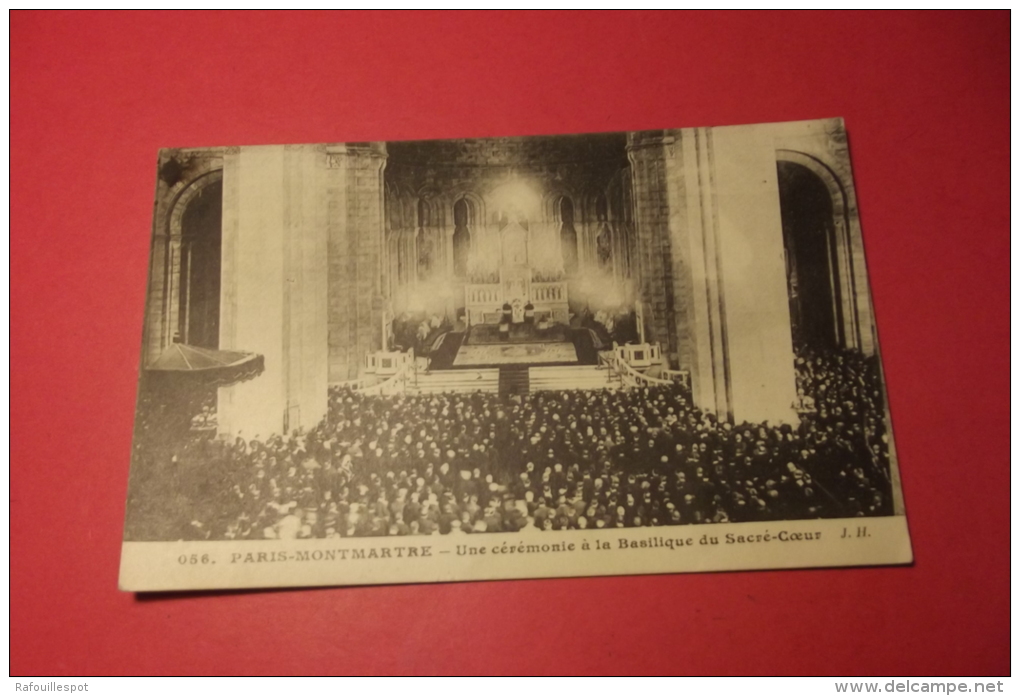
(484, 346)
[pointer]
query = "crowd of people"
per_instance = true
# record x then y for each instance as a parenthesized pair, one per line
(550, 460)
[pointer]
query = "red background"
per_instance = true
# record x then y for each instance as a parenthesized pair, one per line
(927, 106)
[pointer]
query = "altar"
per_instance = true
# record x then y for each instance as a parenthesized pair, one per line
(528, 293)
(484, 302)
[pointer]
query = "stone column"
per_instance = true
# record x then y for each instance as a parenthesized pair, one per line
(306, 281)
(702, 347)
(710, 266)
(647, 153)
(755, 307)
(356, 251)
(274, 288)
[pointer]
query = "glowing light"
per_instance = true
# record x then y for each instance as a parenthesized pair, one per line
(415, 303)
(517, 198)
(600, 291)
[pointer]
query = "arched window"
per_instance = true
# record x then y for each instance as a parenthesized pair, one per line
(568, 236)
(461, 237)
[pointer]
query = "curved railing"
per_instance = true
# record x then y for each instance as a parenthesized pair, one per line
(397, 382)
(609, 360)
(394, 384)
(643, 379)
(682, 377)
(628, 375)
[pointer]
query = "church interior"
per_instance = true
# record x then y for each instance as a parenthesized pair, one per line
(697, 256)
(504, 255)
(702, 282)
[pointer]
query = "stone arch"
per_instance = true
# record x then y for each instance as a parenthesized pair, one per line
(438, 204)
(588, 226)
(551, 203)
(619, 197)
(570, 240)
(841, 267)
(823, 172)
(399, 204)
(401, 223)
(187, 193)
(476, 208)
(430, 216)
(465, 215)
(170, 315)
(182, 174)
(408, 201)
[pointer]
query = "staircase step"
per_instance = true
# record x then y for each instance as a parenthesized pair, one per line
(459, 381)
(514, 379)
(571, 377)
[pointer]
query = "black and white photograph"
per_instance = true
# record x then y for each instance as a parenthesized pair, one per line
(542, 356)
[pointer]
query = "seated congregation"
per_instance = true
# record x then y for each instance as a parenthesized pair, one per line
(549, 460)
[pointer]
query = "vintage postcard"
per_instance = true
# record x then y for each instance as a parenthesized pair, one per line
(619, 353)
